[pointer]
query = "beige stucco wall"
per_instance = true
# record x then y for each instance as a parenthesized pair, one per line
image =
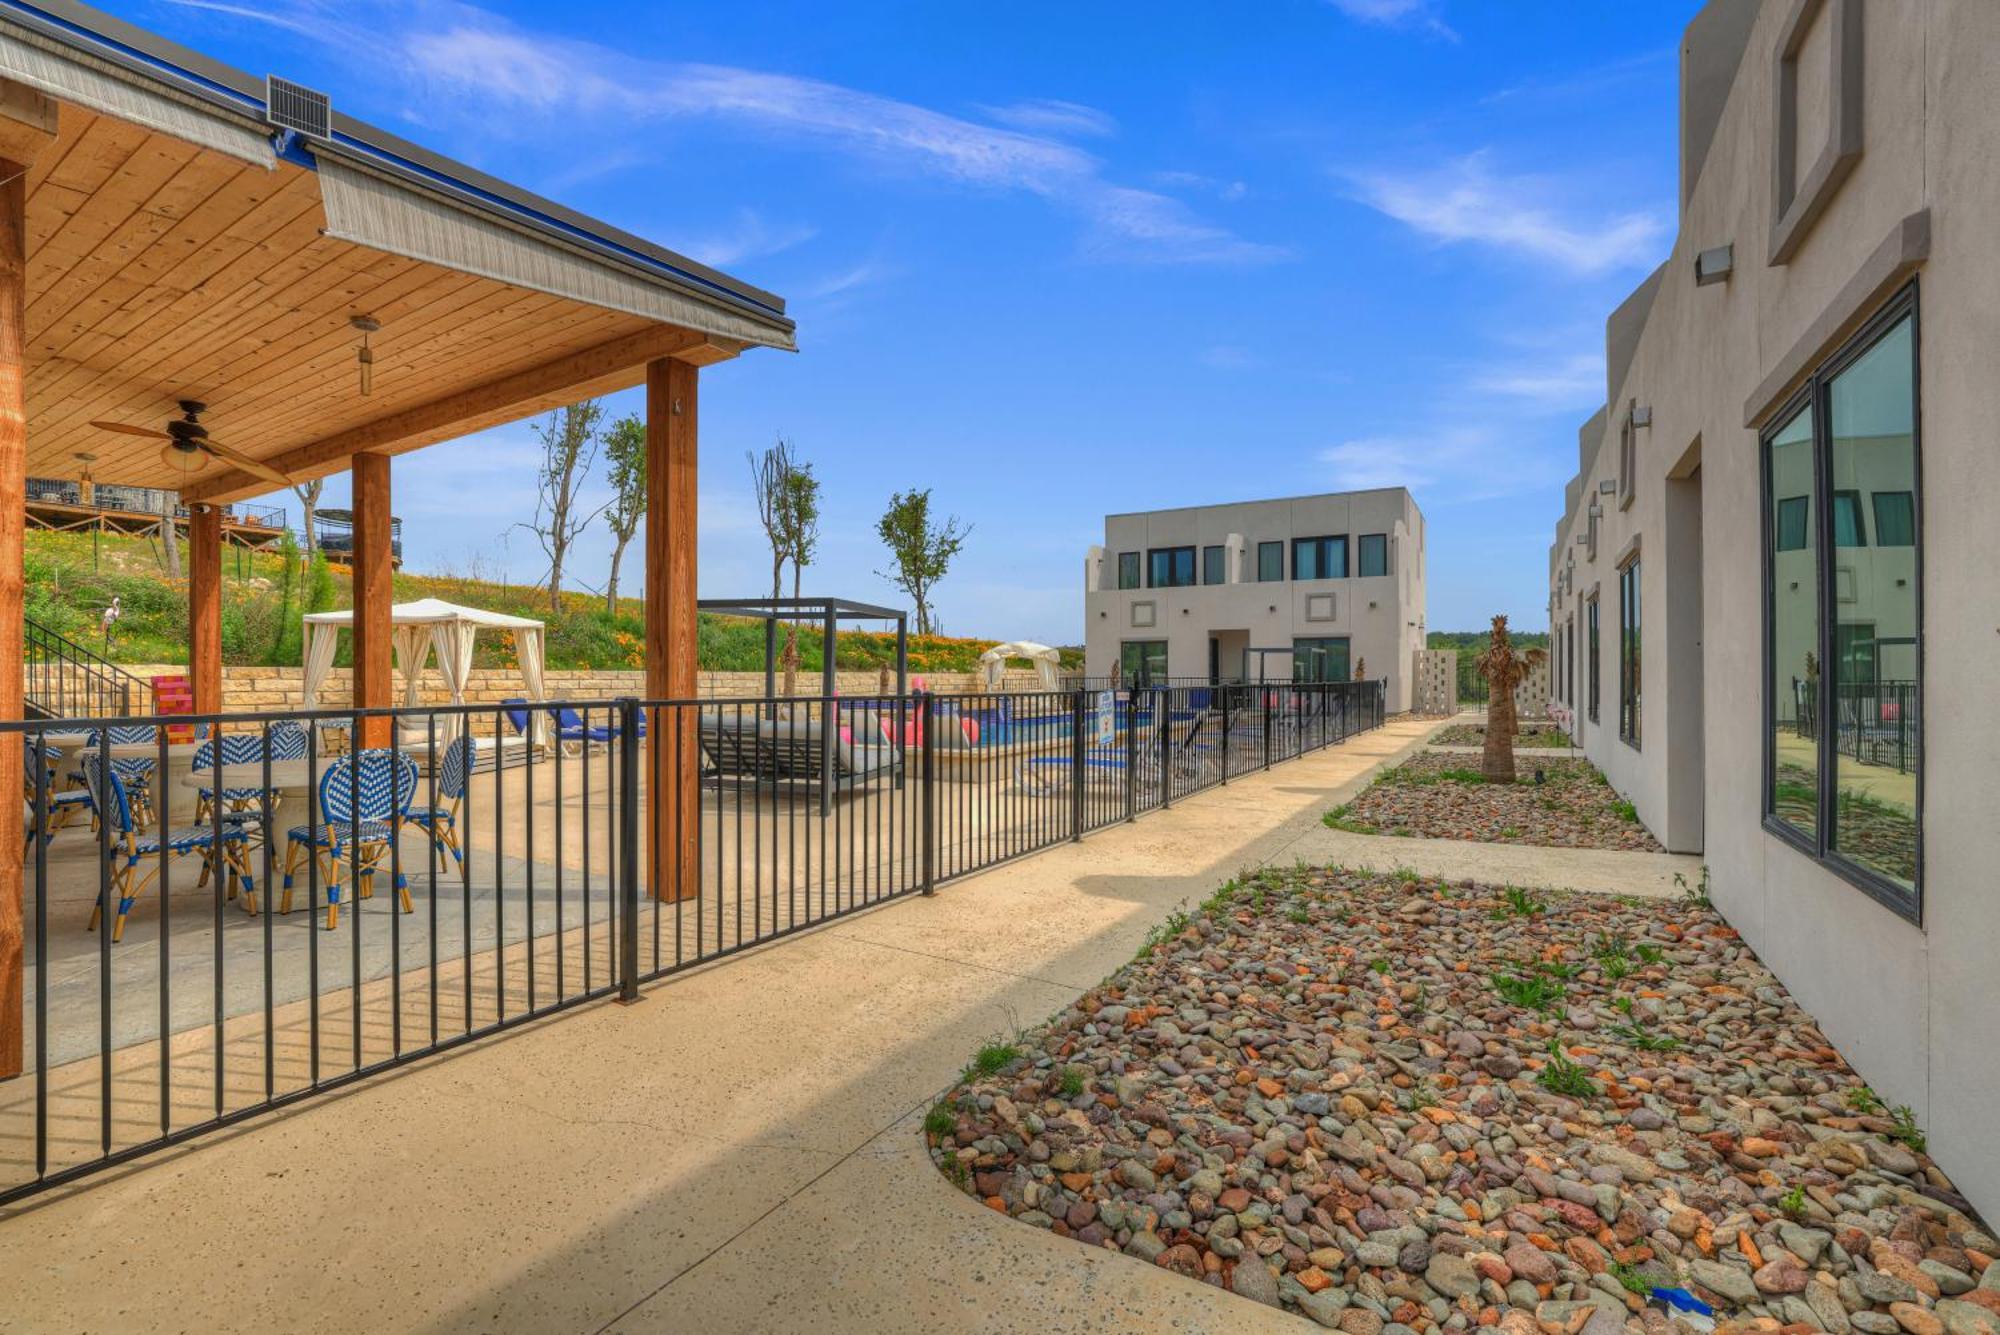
(1913, 1006)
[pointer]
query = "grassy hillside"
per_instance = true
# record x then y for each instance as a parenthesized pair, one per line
(1469, 644)
(263, 597)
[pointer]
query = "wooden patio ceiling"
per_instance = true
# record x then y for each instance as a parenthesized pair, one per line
(161, 271)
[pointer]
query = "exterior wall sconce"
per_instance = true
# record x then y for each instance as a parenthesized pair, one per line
(1606, 487)
(1642, 414)
(1595, 511)
(1714, 265)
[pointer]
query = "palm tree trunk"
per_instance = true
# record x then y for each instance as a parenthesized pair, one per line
(1498, 762)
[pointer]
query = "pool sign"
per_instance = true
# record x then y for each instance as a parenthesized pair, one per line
(1107, 716)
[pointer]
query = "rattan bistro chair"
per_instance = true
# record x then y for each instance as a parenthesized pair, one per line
(362, 799)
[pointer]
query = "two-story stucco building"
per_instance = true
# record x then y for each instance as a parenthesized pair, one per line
(1322, 588)
(1770, 589)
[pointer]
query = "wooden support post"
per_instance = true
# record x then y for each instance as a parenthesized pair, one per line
(673, 772)
(374, 595)
(27, 125)
(205, 607)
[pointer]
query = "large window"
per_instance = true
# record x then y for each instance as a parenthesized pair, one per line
(1320, 658)
(1214, 565)
(1270, 561)
(1319, 558)
(1141, 662)
(1628, 653)
(1373, 554)
(1843, 629)
(1128, 570)
(1793, 631)
(1169, 567)
(1590, 666)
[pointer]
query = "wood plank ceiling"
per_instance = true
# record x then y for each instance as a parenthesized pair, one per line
(158, 271)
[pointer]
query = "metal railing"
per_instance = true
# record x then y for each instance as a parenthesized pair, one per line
(63, 679)
(385, 911)
(113, 498)
(1875, 722)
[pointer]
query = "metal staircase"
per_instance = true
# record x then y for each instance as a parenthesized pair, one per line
(63, 679)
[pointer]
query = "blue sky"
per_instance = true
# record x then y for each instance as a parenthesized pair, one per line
(1058, 260)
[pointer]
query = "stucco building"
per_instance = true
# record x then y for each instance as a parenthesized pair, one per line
(1319, 587)
(1769, 590)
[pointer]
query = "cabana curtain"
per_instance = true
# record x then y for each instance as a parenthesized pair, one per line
(1047, 661)
(420, 627)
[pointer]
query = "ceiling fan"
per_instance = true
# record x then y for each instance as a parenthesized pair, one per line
(188, 443)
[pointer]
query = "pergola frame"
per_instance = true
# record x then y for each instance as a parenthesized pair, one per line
(828, 613)
(163, 238)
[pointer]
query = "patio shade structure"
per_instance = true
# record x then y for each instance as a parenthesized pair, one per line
(827, 614)
(173, 233)
(1047, 661)
(419, 628)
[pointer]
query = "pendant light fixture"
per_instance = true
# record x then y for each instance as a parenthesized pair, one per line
(365, 355)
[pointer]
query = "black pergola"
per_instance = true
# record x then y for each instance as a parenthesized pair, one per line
(828, 613)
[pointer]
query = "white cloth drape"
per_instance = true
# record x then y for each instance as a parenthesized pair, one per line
(412, 647)
(321, 641)
(454, 659)
(528, 649)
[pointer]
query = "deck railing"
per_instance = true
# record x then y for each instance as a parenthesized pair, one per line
(455, 885)
(64, 679)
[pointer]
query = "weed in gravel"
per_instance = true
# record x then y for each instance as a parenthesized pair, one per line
(1649, 954)
(1530, 992)
(1072, 1080)
(1521, 903)
(1622, 1004)
(1338, 819)
(1862, 1099)
(940, 1120)
(994, 1056)
(1300, 916)
(1697, 893)
(1176, 923)
(1793, 1203)
(1906, 1128)
(1560, 1075)
(1379, 965)
(1626, 812)
(1645, 1040)
(1630, 1278)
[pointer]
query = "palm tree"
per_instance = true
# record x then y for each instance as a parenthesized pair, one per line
(1503, 668)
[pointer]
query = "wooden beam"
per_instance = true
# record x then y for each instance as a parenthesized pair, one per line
(673, 773)
(617, 364)
(27, 123)
(205, 607)
(13, 522)
(374, 595)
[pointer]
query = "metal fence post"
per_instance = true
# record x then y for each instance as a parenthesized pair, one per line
(927, 790)
(628, 850)
(1162, 725)
(1264, 707)
(1077, 754)
(1132, 753)
(1223, 691)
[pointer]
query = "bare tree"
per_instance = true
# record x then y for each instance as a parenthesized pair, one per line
(570, 441)
(308, 494)
(170, 539)
(788, 507)
(922, 551)
(625, 448)
(798, 518)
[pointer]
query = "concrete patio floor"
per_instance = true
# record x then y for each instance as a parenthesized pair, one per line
(737, 1152)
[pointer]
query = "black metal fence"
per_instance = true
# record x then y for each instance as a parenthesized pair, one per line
(63, 677)
(1875, 722)
(228, 914)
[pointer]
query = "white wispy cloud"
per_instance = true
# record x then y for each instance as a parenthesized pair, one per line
(1572, 381)
(1048, 115)
(1229, 192)
(1464, 200)
(750, 238)
(461, 64)
(842, 281)
(1590, 82)
(1398, 14)
(1450, 461)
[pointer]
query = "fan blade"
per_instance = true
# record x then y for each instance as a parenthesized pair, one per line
(246, 463)
(146, 431)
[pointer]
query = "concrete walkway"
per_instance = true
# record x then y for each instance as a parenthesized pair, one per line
(738, 1152)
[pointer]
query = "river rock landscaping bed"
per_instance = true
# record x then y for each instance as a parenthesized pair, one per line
(1527, 737)
(1396, 1106)
(1439, 795)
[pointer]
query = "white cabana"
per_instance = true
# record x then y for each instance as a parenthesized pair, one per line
(420, 627)
(1047, 661)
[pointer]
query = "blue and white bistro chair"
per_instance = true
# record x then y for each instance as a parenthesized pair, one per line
(128, 851)
(362, 799)
(134, 772)
(63, 805)
(454, 774)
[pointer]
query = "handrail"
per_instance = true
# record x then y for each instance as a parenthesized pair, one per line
(64, 679)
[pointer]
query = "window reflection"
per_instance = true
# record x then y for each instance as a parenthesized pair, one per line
(1793, 584)
(1872, 700)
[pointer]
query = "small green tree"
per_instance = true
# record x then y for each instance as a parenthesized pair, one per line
(625, 451)
(569, 440)
(281, 637)
(798, 518)
(922, 551)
